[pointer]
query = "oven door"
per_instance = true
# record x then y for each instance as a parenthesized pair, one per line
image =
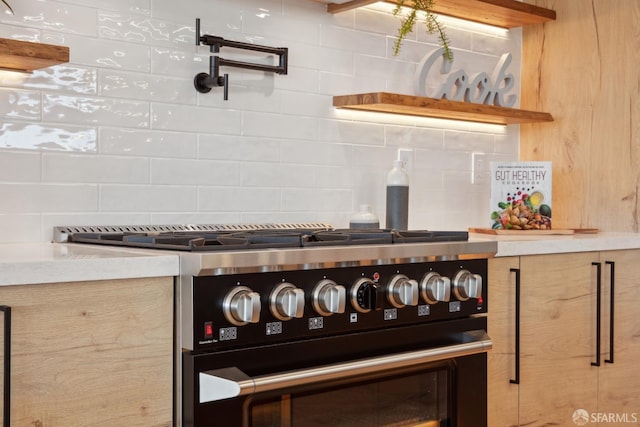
(441, 382)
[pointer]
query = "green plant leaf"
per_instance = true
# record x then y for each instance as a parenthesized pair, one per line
(431, 22)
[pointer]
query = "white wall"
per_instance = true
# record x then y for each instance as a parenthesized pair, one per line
(120, 136)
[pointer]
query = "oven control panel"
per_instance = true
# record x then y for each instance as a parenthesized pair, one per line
(240, 310)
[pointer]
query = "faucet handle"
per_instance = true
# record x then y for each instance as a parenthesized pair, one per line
(225, 84)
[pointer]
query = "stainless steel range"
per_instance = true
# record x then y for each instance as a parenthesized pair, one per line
(302, 325)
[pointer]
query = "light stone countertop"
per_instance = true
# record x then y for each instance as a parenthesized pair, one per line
(548, 244)
(35, 263)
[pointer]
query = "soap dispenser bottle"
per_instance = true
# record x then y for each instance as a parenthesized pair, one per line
(364, 219)
(397, 197)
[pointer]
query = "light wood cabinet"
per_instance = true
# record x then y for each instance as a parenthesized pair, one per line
(619, 382)
(92, 353)
(503, 395)
(558, 338)
(584, 68)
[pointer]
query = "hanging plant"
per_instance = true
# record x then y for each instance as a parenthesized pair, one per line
(8, 6)
(430, 20)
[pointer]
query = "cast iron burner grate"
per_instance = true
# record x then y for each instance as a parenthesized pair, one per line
(208, 241)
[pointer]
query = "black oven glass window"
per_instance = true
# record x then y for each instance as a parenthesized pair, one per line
(418, 400)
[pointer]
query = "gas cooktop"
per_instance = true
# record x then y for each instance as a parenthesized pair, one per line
(211, 238)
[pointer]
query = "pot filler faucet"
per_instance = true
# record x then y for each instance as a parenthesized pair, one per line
(205, 81)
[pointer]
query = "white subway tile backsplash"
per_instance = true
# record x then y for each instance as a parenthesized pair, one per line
(351, 132)
(34, 136)
(469, 141)
(279, 126)
(61, 78)
(194, 119)
(374, 21)
(45, 197)
(230, 147)
(56, 219)
(178, 63)
(244, 95)
(141, 29)
(137, 6)
(20, 167)
(19, 32)
(352, 40)
(119, 135)
(460, 40)
(19, 104)
(299, 79)
(147, 198)
(305, 104)
(21, 228)
(56, 16)
(404, 136)
(508, 142)
(321, 200)
(102, 53)
(195, 218)
(95, 111)
(147, 143)
(242, 199)
(262, 22)
(319, 59)
(304, 153)
(442, 160)
(375, 68)
(279, 175)
(146, 87)
(195, 172)
(80, 168)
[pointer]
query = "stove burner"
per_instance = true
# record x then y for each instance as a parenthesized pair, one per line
(208, 241)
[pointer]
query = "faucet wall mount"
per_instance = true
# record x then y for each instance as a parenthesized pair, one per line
(204, 82)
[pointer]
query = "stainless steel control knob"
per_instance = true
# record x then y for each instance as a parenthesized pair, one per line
(329, 298)
(402, 291)
(435, 288)
(467, 285)
(241, 306)
(286, 301)
(366, 295)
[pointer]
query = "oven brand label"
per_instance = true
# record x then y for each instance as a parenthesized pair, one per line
(274, 328)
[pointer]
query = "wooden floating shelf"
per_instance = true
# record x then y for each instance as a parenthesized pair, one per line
(499, 13)
(17, 55)
(383, 102)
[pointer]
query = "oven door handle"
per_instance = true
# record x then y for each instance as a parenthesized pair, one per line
(231, 382)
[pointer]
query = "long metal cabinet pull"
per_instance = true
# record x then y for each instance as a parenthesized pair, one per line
(232, 382)
(6, 416)
(612, 265)
(517, 378)
(598, 311)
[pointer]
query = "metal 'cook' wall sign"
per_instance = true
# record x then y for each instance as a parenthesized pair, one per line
(459, 86)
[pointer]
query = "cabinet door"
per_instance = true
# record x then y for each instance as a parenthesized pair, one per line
(558, 338)
(502, 394)
(91, 353)
(619, 381)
